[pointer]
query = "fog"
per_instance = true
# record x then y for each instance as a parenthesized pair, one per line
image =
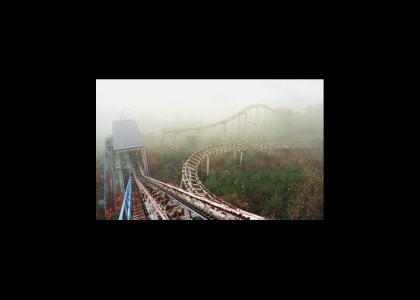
(158, 104)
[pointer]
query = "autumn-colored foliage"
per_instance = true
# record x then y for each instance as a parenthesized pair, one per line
(234, 199)
(281, 185)
(309, 202)
(109, 214)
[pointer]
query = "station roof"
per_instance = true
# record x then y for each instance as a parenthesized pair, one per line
(126, 135)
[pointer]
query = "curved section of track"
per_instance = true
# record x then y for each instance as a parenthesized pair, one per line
(243, 111)
(190, 179)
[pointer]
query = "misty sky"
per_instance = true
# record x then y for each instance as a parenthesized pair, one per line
(176, 103)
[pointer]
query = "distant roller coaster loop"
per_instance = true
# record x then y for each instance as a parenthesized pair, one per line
(242, 112)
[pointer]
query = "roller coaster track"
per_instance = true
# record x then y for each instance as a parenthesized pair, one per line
(190, 179)
(166, 199)
(152, 199)
(162, 201)
(222, 122)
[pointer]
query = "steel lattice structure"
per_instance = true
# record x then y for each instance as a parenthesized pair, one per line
(199, 129)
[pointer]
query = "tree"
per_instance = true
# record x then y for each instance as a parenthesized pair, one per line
(309, 202)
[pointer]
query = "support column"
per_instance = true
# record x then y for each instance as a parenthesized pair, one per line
(106, 178)
(256, 113)
(113, 181)
(263, 131)
(239, 127)
(144, 160)
(240, 161)
(120, 175)
(245, 125)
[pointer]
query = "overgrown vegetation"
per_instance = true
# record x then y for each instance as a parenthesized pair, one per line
(166, 166)
(279, 185)
(284, 185)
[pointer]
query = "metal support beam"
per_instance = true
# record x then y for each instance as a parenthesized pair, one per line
(144, 158)
(240, 161)
(120, 177)
(106, 173)
(245, 125)
(126, 205)
(262, 116)
(239, 128)
(114, 185)
(105, 179)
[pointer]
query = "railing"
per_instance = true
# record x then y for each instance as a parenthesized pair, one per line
(126, 206)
